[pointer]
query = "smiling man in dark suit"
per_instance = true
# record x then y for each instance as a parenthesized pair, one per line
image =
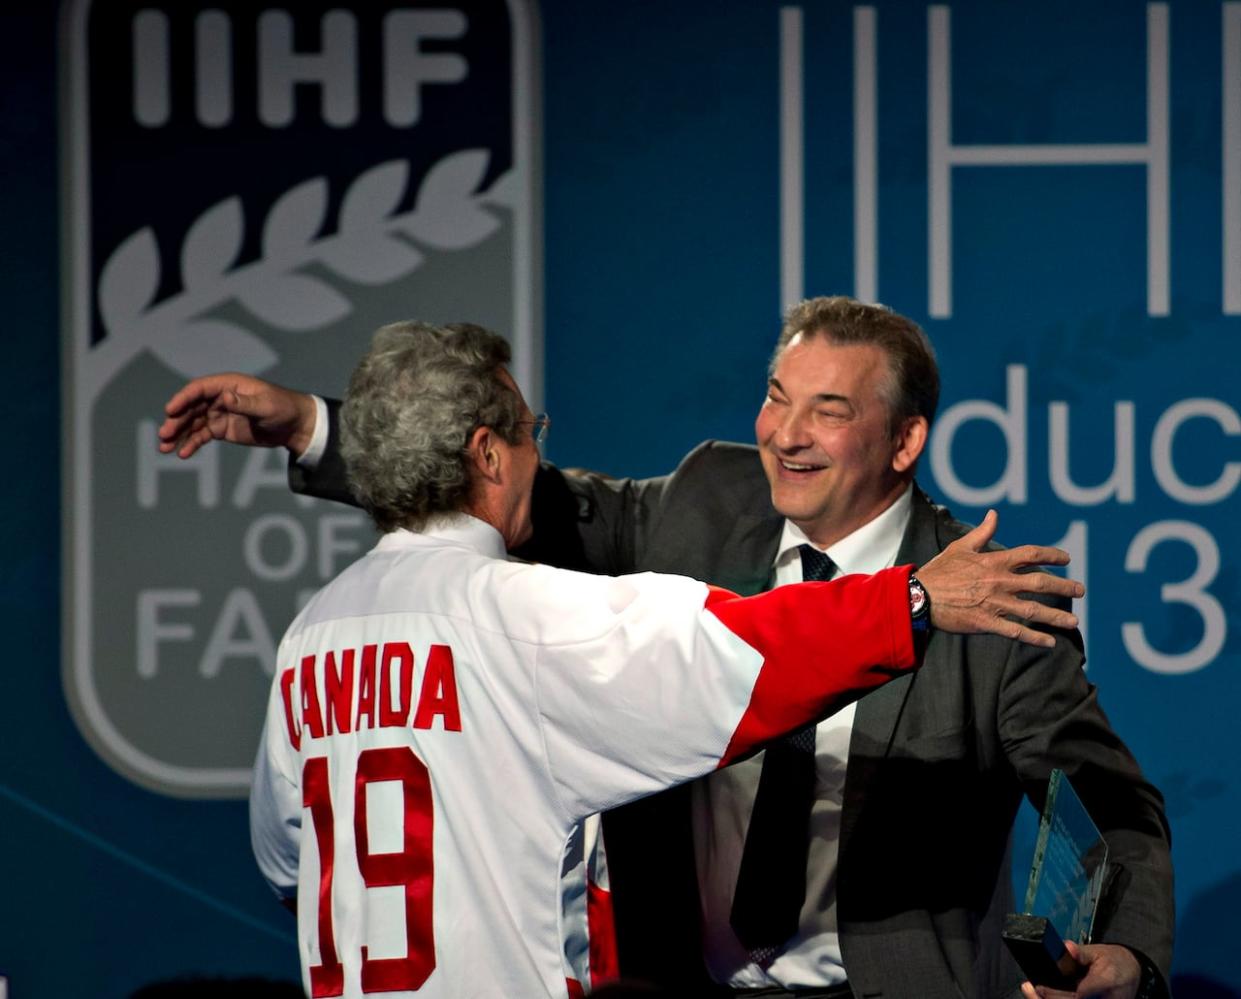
(888, 824)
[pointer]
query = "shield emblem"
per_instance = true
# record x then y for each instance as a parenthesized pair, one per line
(257, 190)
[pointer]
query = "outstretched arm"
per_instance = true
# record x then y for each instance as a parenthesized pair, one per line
(237, 408)
(245, 410)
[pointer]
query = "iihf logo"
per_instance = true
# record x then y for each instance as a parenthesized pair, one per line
(256, 190)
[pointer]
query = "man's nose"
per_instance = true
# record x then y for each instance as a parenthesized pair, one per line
(794, 429)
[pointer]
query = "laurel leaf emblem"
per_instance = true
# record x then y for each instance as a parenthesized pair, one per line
(286, 287)
(373, 196)
(372, 259)
(446, 215)
(362, 252)
(503, 192)
(129, 281)
(295, 218)
(196, 347)
(294, 302)
(212, 244)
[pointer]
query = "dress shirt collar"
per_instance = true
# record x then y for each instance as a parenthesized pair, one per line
(454, 529)
(872, 547)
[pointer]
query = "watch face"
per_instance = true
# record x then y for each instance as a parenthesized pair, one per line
(917, 598)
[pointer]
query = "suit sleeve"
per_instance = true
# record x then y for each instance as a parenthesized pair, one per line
(591, 522)
(1050, 717)
(582, 520)
(327, 480)
(680, 678)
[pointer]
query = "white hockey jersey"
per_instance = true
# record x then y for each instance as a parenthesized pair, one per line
(441, 720)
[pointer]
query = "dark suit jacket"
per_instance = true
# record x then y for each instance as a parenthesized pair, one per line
(938, 763)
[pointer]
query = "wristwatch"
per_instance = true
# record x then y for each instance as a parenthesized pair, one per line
(919, 607)
(1151, 985)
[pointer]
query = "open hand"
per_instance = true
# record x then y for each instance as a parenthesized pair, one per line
(975, 591)
(237, 408)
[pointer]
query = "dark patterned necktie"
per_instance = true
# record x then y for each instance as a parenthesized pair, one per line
(771, 883)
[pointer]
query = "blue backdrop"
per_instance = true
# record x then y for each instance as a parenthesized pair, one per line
(1053, 190)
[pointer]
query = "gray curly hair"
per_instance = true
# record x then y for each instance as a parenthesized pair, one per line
(413, 402)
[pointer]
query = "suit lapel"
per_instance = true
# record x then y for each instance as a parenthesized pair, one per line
(745, 563)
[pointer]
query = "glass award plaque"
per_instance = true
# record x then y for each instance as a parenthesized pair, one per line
(1066, 881)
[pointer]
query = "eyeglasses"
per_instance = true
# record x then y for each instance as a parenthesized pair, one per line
(538, 427)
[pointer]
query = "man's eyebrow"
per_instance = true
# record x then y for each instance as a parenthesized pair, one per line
(774, 382)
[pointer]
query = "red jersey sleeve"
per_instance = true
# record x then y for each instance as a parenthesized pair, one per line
(823, 645)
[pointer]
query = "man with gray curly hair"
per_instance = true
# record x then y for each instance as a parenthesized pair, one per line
(441, 720)
(411, 401)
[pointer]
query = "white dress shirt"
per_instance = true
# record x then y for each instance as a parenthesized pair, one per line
(722, 803)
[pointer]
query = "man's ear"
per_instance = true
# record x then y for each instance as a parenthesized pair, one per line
(910, 441)
(484, 455)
